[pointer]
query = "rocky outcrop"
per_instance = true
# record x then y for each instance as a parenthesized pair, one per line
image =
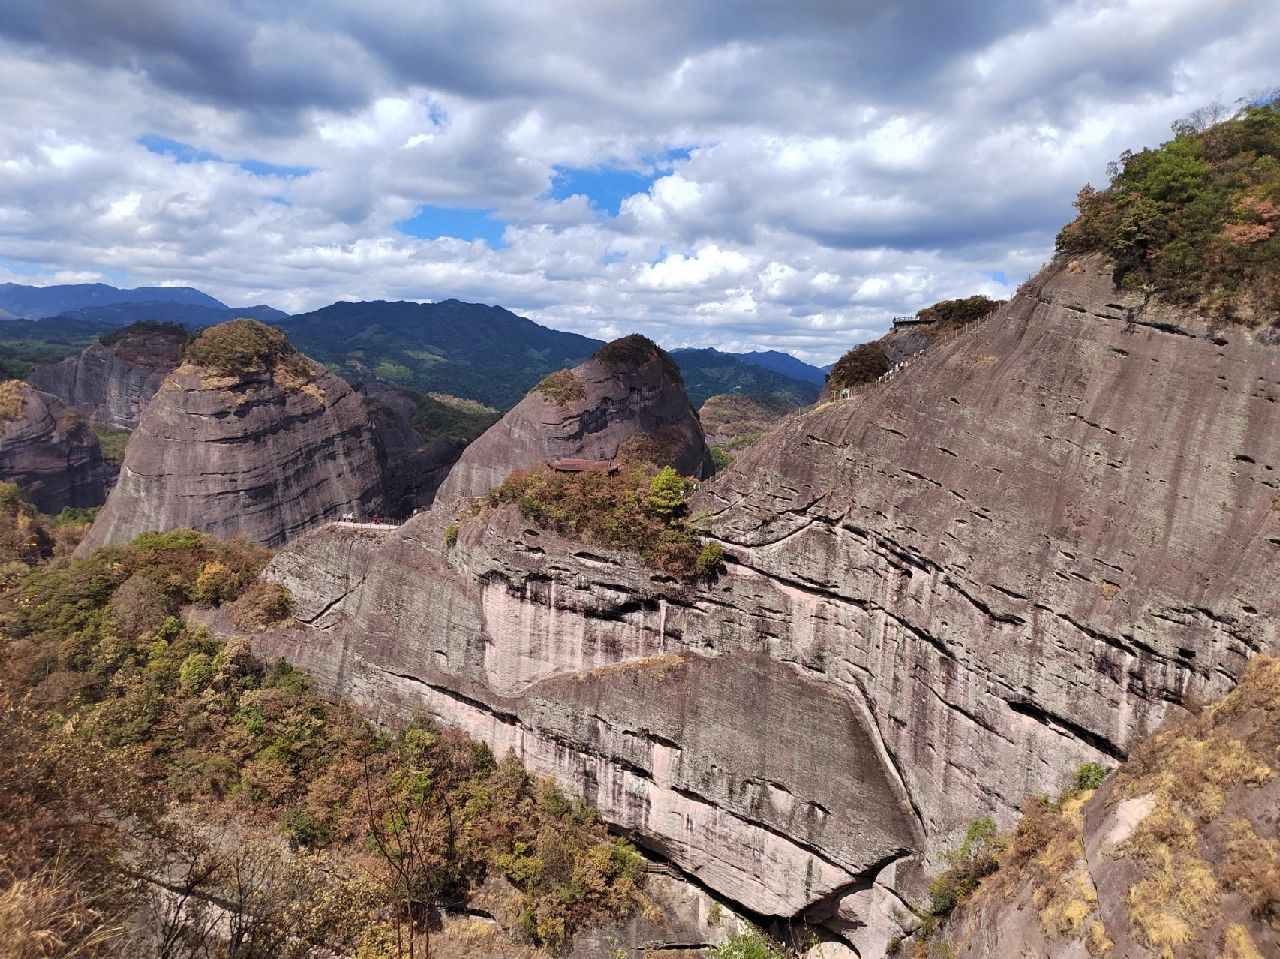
(412, 467)
(48, 451)
(109, 383)
(1176, 855)
(264, 455)
(630, 390)
(942, 595)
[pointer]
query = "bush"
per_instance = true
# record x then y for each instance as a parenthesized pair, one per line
(636, 350)
(1088, 776)
(562, 387)
(959, 312)
(243, 347)
(711, 560)
(263, 604)
(865, 363)
(451, 535)
(747, 945)
(639, 508)
(1196, 219)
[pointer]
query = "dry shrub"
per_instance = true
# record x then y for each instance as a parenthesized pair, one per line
(140, 606)
(1252, 869)
(11, 396)
(562, 387)
(263, 604)
(48, 915)
(1178, 893)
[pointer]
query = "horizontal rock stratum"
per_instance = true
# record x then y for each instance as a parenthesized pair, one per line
(1027, 549)
(48, 450)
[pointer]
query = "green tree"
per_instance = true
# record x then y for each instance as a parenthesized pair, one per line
(667, 490)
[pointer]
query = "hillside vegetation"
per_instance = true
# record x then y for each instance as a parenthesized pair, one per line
(1195, 220)
(640, 508)
(243, 347)
(1189, 866)
(165, 793)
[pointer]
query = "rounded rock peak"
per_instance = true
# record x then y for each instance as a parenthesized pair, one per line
(245, 347)
(635, 350)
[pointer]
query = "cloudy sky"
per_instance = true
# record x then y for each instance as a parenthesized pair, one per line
(785, 174)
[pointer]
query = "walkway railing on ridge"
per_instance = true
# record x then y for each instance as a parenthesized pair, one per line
(850, 392)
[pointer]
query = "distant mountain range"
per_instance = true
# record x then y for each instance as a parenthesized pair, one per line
(786, 364)
(470, 350)
(34, 302)
(708, 372)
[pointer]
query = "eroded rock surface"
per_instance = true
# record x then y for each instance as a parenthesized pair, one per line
(110, 384)
(590, 412)
(261, 456)
(943, 594)
(47, 449)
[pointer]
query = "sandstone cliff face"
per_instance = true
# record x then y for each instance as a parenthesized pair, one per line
(110, 385)
(260, 456)
(412, 468)
(943, 594)
(51, 454)
(589, 412)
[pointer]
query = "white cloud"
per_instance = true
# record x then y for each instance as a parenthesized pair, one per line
(847, 163)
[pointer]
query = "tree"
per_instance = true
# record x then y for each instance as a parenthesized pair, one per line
(666, 494)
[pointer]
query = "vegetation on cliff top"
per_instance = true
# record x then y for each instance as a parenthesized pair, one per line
(636, 350)
(1196, 219)
(640, 508)
(139, 749)
(243, 347)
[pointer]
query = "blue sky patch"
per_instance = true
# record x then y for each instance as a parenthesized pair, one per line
(605, 187)
(186, 153)
(433, 222)
(1000, 278)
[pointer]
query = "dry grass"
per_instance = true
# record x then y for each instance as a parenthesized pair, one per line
(48, 915)
(562, 387)
(1178, 894)
(11, 395)
(1252, 869)
(1238, 944)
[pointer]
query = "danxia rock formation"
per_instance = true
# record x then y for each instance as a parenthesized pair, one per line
(629, 391)
(264, 445)
(48, 450)
(1040, 541)
(110, 381)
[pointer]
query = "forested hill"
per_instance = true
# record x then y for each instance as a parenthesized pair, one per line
(489, 354)
(479, 352)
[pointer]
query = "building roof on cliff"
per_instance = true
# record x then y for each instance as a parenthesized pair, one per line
(575, 465)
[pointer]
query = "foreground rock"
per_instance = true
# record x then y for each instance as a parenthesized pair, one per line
(1022, 553)
(47, 449)
(1176, 855)
(110, 381)
(264, 451)
(630, 391)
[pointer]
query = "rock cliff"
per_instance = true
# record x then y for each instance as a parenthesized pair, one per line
(48, 450)
(630, 389)
(1031, 547)
(413, 467)
(111, 381)
(263, 452)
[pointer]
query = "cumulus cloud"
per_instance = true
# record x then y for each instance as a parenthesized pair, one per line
(801, 172)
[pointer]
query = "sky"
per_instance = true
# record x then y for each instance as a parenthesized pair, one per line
(745, 175)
